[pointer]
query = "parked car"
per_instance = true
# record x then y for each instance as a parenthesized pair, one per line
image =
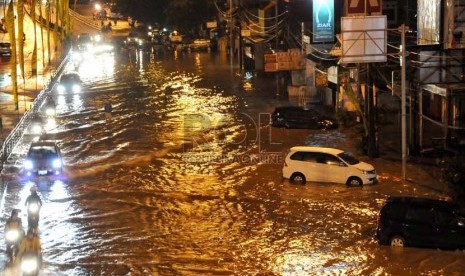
(43, 158)
(415, 221)
(300, 117)
(200, 44)
(138, 39)
(5, 49)
(321, 164)
(175, 37)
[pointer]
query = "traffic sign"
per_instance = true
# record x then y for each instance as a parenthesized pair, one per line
(363, 7)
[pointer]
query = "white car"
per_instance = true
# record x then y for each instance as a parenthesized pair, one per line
(175, 37)
(321, 164)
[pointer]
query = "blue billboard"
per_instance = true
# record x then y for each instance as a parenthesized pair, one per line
(323, 21)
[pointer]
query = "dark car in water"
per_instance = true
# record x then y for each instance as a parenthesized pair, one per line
(43, 158)
(301, 117)
(69, 82)
(422, 222)
(5, 49)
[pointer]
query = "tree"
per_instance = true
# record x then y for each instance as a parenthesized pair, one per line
(143, 10)
(453, 174)
(186, 14)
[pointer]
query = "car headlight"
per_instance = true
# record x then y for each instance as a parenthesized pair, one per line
(28, 165)
(367, 172)
(29, 265)
(12, 235)
(76, 88)
(50, 111)
(56, 163)
(76, 56)
(61, 88)
(36, 129)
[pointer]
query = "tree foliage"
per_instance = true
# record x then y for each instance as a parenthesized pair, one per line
(453, 174)
(183, 14)
(143, 10)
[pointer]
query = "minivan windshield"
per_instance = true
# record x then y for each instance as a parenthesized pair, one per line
(349, 158)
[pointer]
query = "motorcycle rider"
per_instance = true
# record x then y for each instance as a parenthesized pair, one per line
(13, 223)
(33, 198)
(31, 246)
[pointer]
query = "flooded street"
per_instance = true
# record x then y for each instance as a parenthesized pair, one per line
(186, 179)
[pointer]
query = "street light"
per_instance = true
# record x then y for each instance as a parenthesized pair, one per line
(97, 6)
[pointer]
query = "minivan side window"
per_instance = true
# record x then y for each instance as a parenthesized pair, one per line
(311, 157)
(420, 214)
(444, 217)
(306, 156)
(332, 160)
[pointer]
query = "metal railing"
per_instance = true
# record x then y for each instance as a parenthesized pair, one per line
(84, 20)
(17, 133)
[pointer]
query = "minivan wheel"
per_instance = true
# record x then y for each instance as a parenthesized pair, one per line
(397, 241)
(354, 181)
(298, 178)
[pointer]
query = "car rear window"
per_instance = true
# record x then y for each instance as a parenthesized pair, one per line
(298, 156)
(420, 214)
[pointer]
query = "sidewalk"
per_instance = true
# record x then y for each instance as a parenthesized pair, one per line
(31, 85)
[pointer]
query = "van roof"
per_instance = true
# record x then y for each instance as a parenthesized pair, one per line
(43, 142)
(317, 149)
(422, 201)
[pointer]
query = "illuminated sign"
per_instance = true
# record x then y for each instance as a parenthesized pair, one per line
(323, 20)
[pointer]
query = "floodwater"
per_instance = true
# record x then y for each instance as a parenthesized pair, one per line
(185, 179)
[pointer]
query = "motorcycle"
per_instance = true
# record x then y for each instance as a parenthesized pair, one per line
(33, 215)
(30, 263)
(13, 238)
(50, 110)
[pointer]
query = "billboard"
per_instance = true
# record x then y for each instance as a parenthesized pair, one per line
(428, 21)
(323, 21)
(364, 39)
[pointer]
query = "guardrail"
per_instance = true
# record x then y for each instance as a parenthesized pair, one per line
(84, 20)
(17, 133)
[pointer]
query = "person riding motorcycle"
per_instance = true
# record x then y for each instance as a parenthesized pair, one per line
(50, 108)
(30, 253)
(14, 233)
(33, 203)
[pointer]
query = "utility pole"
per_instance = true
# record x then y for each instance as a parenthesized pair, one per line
(403, 103)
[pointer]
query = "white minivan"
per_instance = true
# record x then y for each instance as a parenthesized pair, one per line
(320, 164)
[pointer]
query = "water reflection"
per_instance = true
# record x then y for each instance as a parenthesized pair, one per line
(149, 192)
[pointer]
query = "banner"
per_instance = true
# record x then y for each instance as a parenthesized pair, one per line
(323, 21)
(10, 26)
